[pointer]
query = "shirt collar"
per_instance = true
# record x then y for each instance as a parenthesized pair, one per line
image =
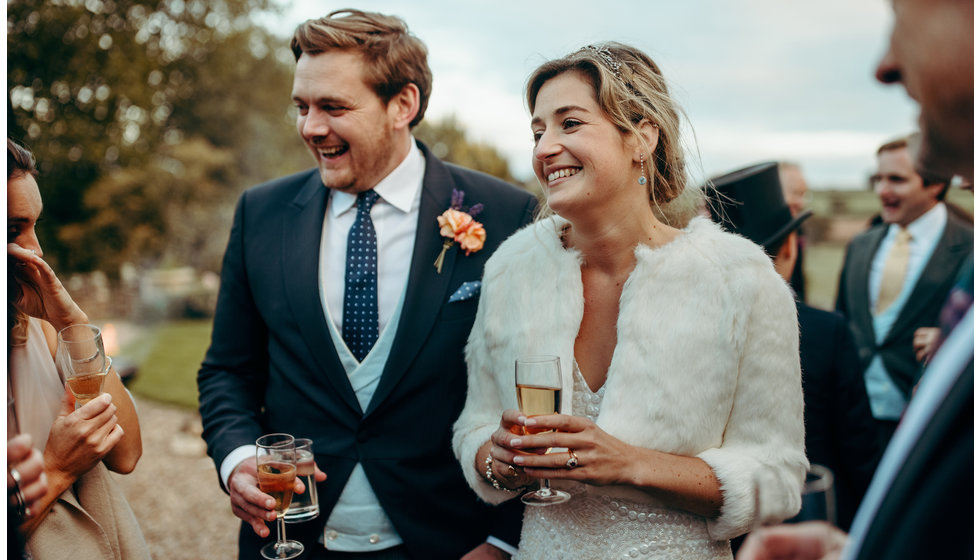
(927, 226)
(399, 188)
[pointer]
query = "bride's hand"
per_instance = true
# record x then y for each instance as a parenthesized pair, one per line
(600, 459)
(504, 468)
(39, 291)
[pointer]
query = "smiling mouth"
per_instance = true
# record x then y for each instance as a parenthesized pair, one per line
(561, 173)
(332, 151)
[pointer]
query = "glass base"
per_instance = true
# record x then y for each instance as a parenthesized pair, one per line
(545, 497)
(282, 550)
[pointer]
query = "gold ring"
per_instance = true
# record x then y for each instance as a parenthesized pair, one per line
(572, 461)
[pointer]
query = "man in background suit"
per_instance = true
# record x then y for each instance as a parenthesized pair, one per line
(840, 431)
(885, 304)
(920, 503)
(334, 323)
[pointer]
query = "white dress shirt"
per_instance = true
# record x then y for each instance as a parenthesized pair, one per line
(925, 231)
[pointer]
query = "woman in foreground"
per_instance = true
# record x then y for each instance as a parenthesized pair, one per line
(84, 513)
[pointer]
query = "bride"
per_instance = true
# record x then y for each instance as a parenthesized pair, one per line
(678, 342)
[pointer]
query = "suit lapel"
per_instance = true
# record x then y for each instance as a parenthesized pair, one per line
(864, 252)
(944, 262)
(427, 289)
(302, 229)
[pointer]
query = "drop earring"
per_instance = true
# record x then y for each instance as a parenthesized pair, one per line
(643, 176)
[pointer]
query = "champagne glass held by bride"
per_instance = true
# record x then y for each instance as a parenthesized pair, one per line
(275, 459)
(538, 381)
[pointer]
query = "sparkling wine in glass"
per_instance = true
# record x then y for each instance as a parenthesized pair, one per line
(81, 356)
(304, 506)
(538, 381)
(275, 459)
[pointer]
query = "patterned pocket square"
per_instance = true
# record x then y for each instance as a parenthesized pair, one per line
(466, 291)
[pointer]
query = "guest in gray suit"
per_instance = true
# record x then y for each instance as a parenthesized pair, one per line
(887, 300)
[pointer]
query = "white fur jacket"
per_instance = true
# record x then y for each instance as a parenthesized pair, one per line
(706, 362)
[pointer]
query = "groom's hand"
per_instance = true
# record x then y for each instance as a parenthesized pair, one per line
(248, 503)
(486, 551)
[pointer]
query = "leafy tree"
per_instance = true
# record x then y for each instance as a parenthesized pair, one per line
(149, 117)
(105, 91)
(448, 141)
(171, 212)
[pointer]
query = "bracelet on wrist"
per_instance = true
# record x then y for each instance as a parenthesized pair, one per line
(489, 476)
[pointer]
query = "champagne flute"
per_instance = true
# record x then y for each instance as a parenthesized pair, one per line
(538, 381)
(304, 506)
(275, 459)
(82, 358)
(817, 499)
(818, 496)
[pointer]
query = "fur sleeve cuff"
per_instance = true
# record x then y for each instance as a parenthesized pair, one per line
(779, 491)
(465, 446)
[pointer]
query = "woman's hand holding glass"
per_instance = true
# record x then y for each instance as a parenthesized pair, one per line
(504, 468)
(600, 459)
(79, 439)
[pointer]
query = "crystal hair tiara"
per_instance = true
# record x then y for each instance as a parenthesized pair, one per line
(607, 58)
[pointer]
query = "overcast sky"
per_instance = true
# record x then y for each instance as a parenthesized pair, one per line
(758, 79)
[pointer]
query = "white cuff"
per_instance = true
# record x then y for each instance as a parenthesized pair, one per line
(494, 541)
(232, 460)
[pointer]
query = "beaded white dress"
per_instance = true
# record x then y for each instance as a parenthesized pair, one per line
(595, 526)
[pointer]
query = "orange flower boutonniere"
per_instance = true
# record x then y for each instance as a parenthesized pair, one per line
(458, 225)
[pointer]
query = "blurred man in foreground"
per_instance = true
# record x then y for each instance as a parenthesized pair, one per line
(919, 504)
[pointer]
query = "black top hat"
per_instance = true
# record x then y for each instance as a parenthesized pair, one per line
(750, 202)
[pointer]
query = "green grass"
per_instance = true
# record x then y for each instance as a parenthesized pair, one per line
(821, 265)
(169, 355)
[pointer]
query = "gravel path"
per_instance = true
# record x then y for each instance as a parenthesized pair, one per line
(174, 490)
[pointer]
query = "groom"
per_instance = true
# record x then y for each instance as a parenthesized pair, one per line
(333, 322)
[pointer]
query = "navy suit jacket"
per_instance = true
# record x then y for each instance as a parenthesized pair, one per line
(921, 309)
(840, 431)
(272, 366)
(928, 509)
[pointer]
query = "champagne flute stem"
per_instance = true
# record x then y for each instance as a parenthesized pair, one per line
(280, 532)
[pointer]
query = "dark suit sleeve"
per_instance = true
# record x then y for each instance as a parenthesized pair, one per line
(842, 285)
(233, 375)
(858, 451)
(928, 509)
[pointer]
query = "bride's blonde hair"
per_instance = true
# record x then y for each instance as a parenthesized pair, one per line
(629, 88)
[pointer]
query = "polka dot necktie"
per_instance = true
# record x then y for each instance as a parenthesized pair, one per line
(361, 281)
